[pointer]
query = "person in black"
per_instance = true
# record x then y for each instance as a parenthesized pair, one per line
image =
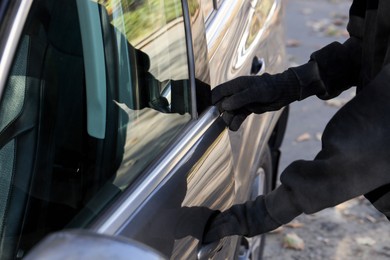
(355, 155)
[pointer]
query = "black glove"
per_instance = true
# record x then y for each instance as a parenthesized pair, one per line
(181, 222)
(248, 219)
(192, 221)
(331, 70)
(257, 94)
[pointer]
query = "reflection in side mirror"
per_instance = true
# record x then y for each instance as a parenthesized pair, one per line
(87, 245)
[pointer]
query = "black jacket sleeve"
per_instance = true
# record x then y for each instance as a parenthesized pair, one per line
(330, 70)
(339, 66)
(354, 159)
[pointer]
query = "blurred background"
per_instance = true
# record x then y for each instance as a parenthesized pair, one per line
(352, 230)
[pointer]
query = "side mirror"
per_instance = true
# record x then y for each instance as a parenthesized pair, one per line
(87, 245)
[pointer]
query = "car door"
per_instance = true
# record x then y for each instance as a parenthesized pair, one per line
(247, 38)
(106, 121)
(106, 124)
(222, 165)
(194, 173)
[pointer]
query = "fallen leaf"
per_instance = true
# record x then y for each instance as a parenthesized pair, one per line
(336, 102)
(294, 224)
(277, 231)
(371, 219)
(303, 137)
(318, 26)
(293, 43)
(338, 22)
(293, 241)
(332, 30)
(340, 16)
(365, 241)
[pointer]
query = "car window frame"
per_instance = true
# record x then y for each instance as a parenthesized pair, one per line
(16, 22)
(191, 96)
(113, 219)
(156, 168)
(190, 58)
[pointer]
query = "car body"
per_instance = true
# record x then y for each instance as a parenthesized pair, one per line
(106, 120)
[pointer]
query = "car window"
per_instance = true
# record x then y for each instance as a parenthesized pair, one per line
(97, 90)
(152, 35)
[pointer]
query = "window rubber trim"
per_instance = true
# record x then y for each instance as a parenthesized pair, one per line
(190, 57)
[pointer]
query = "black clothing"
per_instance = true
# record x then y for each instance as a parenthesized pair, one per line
(249, 96)
(355, 155)
(354, 159)
(248, 219)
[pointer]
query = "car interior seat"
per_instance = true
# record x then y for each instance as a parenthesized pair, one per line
(42, 113)
(50, 166)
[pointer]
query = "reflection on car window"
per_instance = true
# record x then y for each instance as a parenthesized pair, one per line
(156, 28)
(56, 173)
(154, 35)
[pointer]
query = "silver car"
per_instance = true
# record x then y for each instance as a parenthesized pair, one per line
(106, 122)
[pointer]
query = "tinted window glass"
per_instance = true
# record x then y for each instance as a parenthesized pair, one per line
(150, 39)
(70, 141)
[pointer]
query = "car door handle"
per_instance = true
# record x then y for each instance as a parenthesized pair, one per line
(207, 251)
(258, 66)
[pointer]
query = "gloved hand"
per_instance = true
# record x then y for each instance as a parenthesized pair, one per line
(248, 219)
(238, 98)
(178, 223)
(331, 70)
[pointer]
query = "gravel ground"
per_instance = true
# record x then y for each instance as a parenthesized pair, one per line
(354, 229)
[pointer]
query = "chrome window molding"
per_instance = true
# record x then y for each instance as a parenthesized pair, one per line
(116, 218)
(14, 24)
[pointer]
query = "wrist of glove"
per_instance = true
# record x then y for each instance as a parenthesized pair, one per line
(258, 94)
(339, 66)
(248, 219)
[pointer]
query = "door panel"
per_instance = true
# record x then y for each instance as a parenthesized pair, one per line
(158, 157)
(252, 29)
(201, 174)
(201, 177)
